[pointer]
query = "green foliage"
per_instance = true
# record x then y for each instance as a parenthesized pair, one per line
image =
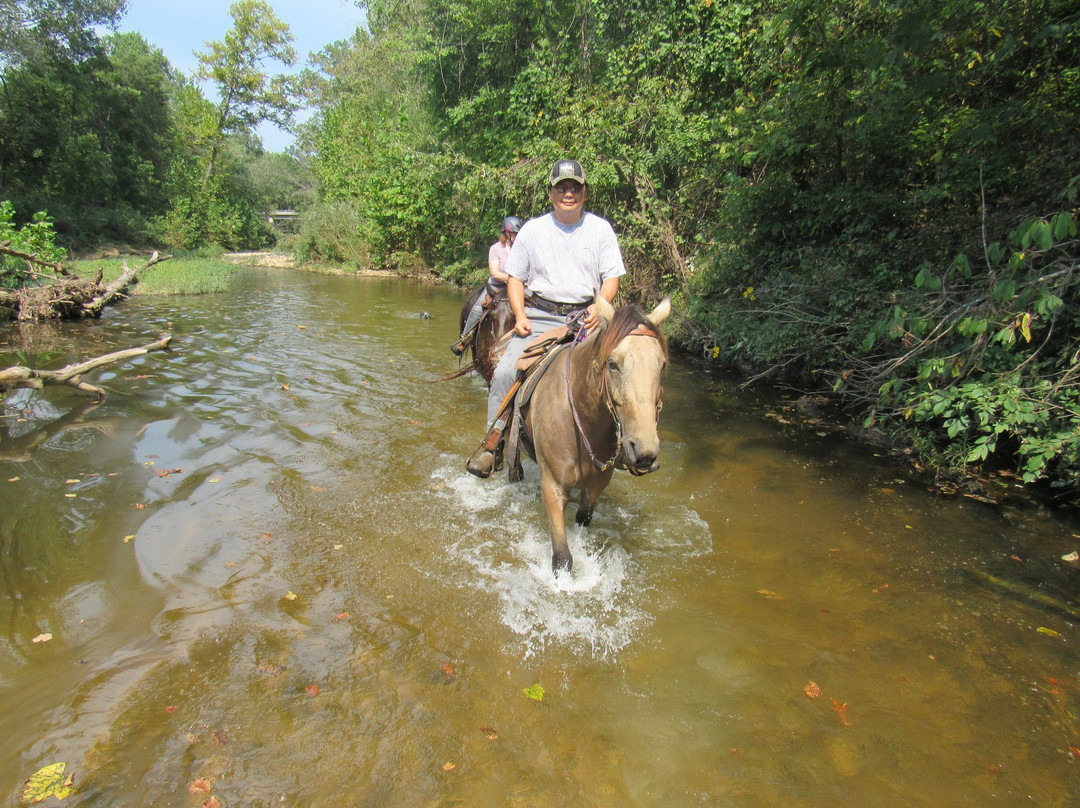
(247, 95)
(36, 238)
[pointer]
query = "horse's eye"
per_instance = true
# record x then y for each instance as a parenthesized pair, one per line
(613, 366)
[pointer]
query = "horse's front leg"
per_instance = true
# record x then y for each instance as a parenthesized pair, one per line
(591, 490)
(555, 500)
(589, 497)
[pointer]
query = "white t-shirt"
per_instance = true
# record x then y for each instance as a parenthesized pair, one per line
(565, 264)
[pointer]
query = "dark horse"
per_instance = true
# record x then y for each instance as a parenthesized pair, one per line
(594, 410)
(496, 321)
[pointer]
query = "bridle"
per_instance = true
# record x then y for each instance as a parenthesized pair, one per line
(640, 331)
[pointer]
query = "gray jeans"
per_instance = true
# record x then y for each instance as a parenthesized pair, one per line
(505, 372)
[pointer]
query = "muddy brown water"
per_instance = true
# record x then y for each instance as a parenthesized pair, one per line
(268, 579)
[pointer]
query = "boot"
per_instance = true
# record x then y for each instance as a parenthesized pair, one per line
(482, 463)
(458, 348)
(488, 457)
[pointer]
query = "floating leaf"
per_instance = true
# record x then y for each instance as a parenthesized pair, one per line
(47, 782)
(1049, 632)
(490, 733)
(42, 638)
(129, 538)
(841, 710)
(213, 802)
(1073, 556)
(768, 593)
(812, 690)
(341, 616)
(536, 692)
(312, 690)
(201, 785)
(447, 668)
(448, 766)
(290, 595)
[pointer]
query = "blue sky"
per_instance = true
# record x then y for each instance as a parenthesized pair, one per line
(180, 27)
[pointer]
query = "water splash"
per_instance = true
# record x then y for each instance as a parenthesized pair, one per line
(506, 546)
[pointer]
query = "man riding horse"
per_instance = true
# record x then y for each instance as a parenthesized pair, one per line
(563, 259)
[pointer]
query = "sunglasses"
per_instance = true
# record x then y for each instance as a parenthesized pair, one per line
(569, 186)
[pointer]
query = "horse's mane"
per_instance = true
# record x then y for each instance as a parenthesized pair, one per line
(626, 320)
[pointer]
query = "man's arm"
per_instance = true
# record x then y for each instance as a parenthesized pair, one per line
(608, 290)
(515, 293)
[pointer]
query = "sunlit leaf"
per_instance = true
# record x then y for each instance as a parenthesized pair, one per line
(129, 538)
(213, 802)
(1049, 632)
(812, 690)
(1025, 326)
(841, 710)
(42, 638)
(535, 692)
(447, 668)
(341, 616)
(201, 785)
(47, 782)
(769, 594)
(290, 595)
(490, 733)
(448, 766)
(312, 690)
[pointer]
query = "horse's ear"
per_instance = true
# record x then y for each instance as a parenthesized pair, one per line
(661, 312)
(604, 310)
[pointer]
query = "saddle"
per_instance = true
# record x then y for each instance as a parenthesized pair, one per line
(531, 366)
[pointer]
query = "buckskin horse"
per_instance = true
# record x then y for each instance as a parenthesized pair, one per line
(596, 407)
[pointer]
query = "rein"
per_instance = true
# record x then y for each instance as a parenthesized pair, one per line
(640, 331)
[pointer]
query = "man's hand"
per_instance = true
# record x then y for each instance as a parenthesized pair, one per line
(523, 326)
(590, 321)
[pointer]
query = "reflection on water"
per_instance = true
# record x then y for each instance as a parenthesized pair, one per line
(262, 564)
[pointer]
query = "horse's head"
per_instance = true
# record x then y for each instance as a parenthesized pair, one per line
(634, 355)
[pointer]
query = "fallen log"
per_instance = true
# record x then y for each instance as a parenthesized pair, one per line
(70, 297)
(21, 377)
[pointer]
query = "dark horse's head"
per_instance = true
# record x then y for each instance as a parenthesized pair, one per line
(633, 355)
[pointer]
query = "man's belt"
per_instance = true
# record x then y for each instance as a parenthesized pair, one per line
(553, 307)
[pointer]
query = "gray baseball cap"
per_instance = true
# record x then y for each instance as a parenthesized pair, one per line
(567, 170)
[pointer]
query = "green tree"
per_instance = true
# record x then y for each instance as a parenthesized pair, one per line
(52, 29)
(247, 94)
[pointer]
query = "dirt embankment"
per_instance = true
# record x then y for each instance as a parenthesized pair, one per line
(260, 259)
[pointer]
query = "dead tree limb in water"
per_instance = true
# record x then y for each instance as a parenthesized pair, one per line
(70, 297)
(19, 377)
